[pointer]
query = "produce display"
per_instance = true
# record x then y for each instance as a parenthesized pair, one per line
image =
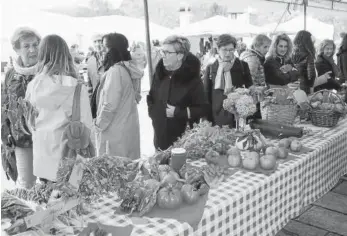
(201, 139)
(144, 184)
(327, 101)
(170, 192)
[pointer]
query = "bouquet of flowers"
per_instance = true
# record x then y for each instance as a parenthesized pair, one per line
(240, 103)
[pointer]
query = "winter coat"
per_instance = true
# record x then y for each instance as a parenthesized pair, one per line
(274, 75)
(323, 66)
(183, 90)
(15, 86)
(255, 63)
(241, 77)
(53, 102)
(342, 60)
(117, 120)
(94, 62)
(304, 63)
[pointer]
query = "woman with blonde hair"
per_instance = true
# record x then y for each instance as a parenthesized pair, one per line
(51, 93)
(325, 64)
(278, 68)
(18, 141)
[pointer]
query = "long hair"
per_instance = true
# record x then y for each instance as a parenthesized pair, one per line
(323, 44)
(273, 48)
(117, 49)
(303, 43)
(54, 57)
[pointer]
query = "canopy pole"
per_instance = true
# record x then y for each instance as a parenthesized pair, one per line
(148, 40)
(305, 14)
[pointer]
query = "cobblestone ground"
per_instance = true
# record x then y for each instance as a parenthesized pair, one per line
(325, 217)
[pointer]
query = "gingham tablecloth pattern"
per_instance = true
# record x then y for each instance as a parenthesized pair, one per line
(254, 204)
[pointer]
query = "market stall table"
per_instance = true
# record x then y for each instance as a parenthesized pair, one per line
(254, 204)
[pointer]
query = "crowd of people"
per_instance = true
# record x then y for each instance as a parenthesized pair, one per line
(184, 90)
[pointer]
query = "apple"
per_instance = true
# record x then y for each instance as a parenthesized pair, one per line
(296, 146)
(268, 162)
(234, 151)
(284, 143)
(251, 161)
(234, 160)
(282, 153)
(271, 151)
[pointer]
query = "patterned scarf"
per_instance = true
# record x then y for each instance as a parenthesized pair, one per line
(223, 78)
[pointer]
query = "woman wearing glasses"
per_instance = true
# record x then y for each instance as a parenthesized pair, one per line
(222, 76)
(177, 95)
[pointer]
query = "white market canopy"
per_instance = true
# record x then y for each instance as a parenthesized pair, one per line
(132, 28)
(317, 28)
(217, 25)
(74, 29)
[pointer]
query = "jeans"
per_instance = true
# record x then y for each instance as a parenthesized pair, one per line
(24, 158)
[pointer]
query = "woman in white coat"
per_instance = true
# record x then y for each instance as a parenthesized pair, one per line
(117, 121)
(51, 93)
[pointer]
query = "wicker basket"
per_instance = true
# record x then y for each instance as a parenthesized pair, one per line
(278, 111)
(283, 114)
(326, 118)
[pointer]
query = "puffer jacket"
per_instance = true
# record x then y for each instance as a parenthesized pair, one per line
(256, 66)
(13, 128)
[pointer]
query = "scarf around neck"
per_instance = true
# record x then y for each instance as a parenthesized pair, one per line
(223, 78)
(20, 69)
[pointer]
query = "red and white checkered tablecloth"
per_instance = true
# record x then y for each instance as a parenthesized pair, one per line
(252, 204)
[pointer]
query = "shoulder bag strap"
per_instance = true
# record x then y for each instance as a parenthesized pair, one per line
(76, 105)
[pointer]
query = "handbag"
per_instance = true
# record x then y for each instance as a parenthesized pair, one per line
(76, 137)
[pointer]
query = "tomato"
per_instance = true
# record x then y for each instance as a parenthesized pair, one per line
(189, 195)
(169, 198)
(167, 175)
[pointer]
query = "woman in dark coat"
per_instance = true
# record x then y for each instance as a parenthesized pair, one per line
(176, 97)
(325, 65)
(222, 76)
(342, 59)
(303, 58)
(278, 68)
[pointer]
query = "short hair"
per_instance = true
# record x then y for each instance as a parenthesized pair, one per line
(226, 39)
(180, 43)
(324, 43)
(23, 33)
(260, 40)
(273, 48)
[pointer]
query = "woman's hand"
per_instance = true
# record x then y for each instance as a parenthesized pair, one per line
(322, 79)
(286, 68)
(170, 111)
(96, 127)
(326, 75)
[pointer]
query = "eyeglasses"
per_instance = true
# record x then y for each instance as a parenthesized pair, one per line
(231, 50)
(166, 53)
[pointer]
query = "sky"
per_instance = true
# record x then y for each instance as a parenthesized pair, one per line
(44, 4)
